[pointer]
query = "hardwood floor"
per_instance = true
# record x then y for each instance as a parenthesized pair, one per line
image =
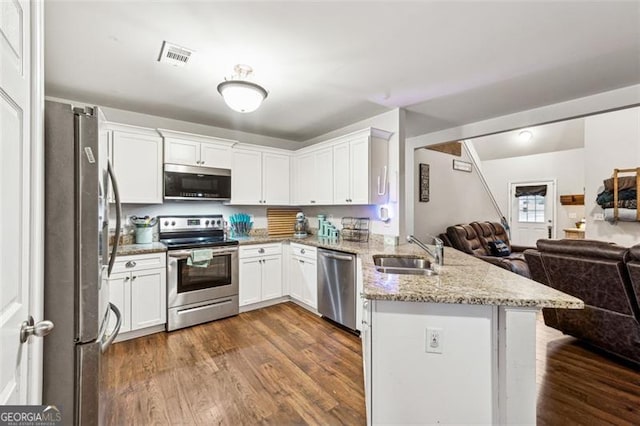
(579, 386)
(279, 365)
(283, 365)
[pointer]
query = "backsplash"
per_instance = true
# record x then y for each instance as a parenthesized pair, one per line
(258, 214)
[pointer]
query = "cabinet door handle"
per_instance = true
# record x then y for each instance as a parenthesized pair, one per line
(133, 278)
(301, 261)
(261, 250)
(202, 162)
(302, 251)
(313, 202)
(126, 279)
(130, 264)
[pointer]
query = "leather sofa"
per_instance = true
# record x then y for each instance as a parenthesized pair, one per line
(474, 239)
(607, 278)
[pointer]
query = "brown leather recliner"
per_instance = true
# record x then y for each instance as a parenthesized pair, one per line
(596, 272)
(474, 239)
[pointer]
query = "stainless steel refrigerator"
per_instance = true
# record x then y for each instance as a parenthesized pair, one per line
(77, 260)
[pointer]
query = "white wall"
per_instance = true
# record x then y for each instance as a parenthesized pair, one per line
(566, 167)
(611, 141)
(598, 103)
(454, 196)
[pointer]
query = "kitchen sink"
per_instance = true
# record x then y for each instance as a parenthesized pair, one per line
(411, 265)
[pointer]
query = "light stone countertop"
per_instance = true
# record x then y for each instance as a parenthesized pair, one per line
(131, 249)
(463, 279)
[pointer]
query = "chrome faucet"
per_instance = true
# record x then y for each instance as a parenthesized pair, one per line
(438, 255)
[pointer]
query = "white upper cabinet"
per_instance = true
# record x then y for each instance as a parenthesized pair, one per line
(360, 174)
(195, 150)
(313, 177)
(341, 174)
(178, 151)
(246, 177)
(260, 177)
(136, 156)
(276, 178)
(351, 169)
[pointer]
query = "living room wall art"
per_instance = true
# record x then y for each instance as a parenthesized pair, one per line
(423, 178)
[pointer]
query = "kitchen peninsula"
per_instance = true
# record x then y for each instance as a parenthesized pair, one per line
(455, 348)
(480, 370)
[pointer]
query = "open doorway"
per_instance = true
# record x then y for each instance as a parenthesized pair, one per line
(532, 211)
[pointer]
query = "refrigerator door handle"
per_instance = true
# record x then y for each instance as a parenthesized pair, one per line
(104, 345)
(116, 194)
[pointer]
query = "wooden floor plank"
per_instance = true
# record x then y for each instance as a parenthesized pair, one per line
(284, 365)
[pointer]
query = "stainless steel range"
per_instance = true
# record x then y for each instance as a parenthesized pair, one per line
(198, 292)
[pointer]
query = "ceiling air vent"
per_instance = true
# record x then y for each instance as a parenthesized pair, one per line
(175, 55)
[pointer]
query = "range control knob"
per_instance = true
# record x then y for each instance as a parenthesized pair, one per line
(166, 223)
(218, 222)
(173, 223)
(207, 223)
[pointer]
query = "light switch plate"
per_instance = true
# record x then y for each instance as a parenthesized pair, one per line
(598, 216)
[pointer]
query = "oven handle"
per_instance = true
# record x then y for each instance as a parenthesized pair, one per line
(183, 254)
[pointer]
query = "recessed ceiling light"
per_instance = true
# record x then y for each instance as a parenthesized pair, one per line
(525, 135)
(239, 94)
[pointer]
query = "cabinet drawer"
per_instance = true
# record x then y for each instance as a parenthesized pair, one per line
(301, 250)
(139, 262)
(260, 250)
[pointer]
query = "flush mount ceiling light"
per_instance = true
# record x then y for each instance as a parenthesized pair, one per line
(525, 135)
(239, 94)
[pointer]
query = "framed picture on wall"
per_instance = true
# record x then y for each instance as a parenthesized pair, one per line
(423, 183)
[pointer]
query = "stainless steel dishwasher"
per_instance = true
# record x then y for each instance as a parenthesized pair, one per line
(337, 286)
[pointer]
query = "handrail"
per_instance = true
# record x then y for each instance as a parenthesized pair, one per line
(503, 219)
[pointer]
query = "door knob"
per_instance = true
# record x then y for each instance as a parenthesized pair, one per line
(41, 329)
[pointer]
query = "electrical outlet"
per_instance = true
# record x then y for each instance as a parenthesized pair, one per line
(573, 215)
(598, 216)
(434, 340)
(390, 240)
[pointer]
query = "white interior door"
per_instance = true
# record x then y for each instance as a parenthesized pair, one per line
(16, 214)
(532, 216)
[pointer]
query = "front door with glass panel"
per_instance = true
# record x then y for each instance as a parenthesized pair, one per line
(531, 211)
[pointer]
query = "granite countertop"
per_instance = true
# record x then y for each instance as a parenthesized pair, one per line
(130, 249)
(463, 279)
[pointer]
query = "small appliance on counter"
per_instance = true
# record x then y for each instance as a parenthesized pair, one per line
(144, 228)
(300, 228)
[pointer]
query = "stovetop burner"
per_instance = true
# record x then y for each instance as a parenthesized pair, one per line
(178, 232)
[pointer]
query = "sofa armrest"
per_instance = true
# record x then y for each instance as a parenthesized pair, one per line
(518, 249)
(495, 260)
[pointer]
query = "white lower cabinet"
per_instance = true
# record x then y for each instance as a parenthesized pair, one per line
(303, 274)
(138, 287)
(260, 273)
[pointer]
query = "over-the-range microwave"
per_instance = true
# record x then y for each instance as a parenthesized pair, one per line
(196, 183)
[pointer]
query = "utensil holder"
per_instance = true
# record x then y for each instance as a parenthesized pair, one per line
(144, 235)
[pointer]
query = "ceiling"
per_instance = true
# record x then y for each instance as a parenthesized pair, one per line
(329, 64)
(554, 137)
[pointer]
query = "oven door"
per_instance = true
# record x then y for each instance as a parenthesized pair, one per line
(192, 284)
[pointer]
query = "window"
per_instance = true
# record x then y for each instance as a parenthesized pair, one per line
(531, 209)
